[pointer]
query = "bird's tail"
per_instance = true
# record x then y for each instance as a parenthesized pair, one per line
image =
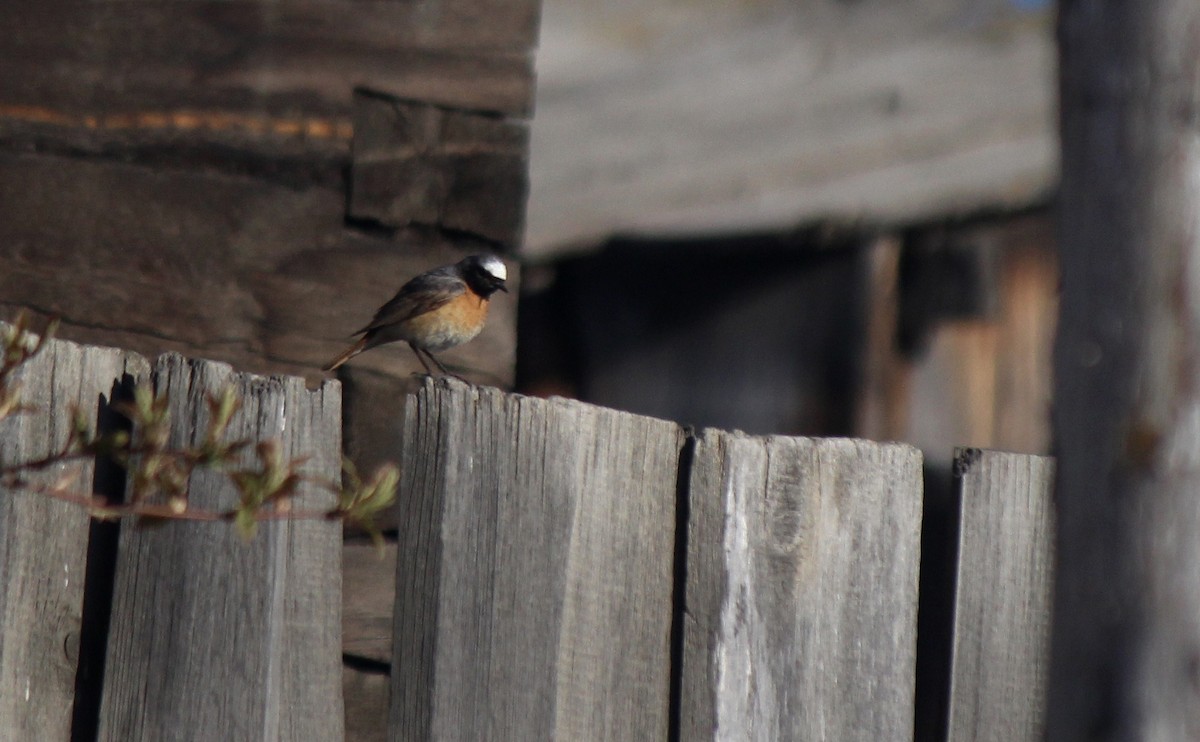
(349, 353)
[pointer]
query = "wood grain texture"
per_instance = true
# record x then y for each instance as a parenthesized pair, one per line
(881, 408)
(1005, 588)
(417, 163)
(214, 637)
(257, 72)
(1126, 638)
(721, 115)
(366, 696)
(43, 543)
(534, 581)
(258, 274)
(368, 599)
(983, 307)
(801, 589)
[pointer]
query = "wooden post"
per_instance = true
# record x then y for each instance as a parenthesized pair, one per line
(1126, 643)
(801, 597)
(534, 584)
(1005, 582)
(44, 542)
(215, 636)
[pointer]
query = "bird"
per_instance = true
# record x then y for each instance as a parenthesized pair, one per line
(434, 311)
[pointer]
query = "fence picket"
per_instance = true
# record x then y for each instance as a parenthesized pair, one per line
(1005, 588)
(215, 637)
(43, 542)
(801, 589)
(534, 580)
(541, 578)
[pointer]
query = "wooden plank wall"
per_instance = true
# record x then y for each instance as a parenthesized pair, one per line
(978, 309)
(820, 111)
(248, 181)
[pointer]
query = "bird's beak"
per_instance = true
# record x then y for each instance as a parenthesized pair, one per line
(502, 287)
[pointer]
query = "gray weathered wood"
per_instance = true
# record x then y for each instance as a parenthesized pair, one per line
(213, 637)
(801, 589)
(1126, 641)
(534, 580)
(368, 602)
(43, 542)
(669, 119)
(366, 696)
(1005, 587)
(369, 596)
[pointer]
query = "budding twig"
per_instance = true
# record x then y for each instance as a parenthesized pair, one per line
(159, 475)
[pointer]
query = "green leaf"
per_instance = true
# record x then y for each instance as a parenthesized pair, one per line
(360, 504)
(245, 522)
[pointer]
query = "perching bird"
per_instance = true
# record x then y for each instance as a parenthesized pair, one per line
(438, 309)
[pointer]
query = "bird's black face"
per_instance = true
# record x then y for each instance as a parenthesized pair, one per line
(484, 274)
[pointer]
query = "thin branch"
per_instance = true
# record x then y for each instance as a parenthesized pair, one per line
(267, 486)
(101, 508)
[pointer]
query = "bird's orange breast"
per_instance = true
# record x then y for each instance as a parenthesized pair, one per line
(453, 323)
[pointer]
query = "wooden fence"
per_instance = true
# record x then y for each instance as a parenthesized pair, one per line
(175, 631)
(565, 572)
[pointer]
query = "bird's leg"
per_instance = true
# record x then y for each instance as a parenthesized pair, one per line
(443, 369)
(417, 352)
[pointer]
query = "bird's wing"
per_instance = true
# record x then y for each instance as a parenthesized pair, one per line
(424, 293)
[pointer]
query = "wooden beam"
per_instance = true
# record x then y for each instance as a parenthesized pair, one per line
(416, 163)
(668, 120)
(215, 69)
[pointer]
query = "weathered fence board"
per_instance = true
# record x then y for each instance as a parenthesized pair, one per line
(1005, 587)
(534, 580)
(43, 542)
(542, 578)
(801, 589)
(214, 637)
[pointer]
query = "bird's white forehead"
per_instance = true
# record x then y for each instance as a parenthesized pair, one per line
(495, 266)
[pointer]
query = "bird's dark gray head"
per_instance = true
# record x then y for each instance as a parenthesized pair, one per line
(485, 274)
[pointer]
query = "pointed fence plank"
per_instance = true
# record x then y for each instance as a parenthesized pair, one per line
(534, 582)
(1004, 597)
(215, 637)
(801, 589)
(44, 542)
